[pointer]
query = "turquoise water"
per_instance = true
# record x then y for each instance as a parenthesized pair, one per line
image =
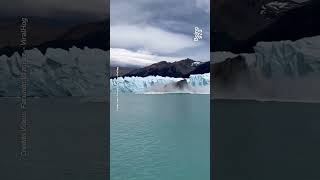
(160, 137)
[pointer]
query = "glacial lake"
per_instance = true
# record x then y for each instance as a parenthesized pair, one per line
(160, 137)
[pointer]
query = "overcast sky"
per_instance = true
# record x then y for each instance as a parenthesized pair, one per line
(148, 31)
(151, 29)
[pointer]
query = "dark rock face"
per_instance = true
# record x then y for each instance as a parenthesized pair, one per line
(39, 30)
(295, 24)
(276, 9)
(176, 69)
(91, 35)
(181, 84)
(238, 25)
(122, 71)
(230, 70)
(201, 69)
(237, 19)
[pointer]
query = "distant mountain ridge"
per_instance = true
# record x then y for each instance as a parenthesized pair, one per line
(91, 35)
(121, 71)
(183, 68)
(238, 25)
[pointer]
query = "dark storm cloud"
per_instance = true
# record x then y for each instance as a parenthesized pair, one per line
(167, 13)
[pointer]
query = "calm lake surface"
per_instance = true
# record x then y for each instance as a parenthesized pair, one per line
(265, 140)
(160, 137)
(67, 139)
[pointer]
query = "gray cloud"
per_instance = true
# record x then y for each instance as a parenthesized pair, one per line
(163, 27)
(203, 4)
(146, 11)
(124, 57)
(149, 38)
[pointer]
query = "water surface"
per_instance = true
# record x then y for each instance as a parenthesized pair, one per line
(160, 137)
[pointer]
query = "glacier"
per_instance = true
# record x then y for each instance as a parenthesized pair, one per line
(198, 83)
(290, 58)
(58, 72)
(280, 70)
(275, 68)
(280, 58)
(77, 72)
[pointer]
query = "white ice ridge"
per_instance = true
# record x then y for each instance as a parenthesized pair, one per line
(58, 72)
(199, 83)
(291, 58)
(283, 70)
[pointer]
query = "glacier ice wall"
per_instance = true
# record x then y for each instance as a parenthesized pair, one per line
(77, 72)
(199, 83)
(283, 70)
(291, 58)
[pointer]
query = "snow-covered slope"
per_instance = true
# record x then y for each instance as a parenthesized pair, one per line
(157, 84)
(77, 72)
